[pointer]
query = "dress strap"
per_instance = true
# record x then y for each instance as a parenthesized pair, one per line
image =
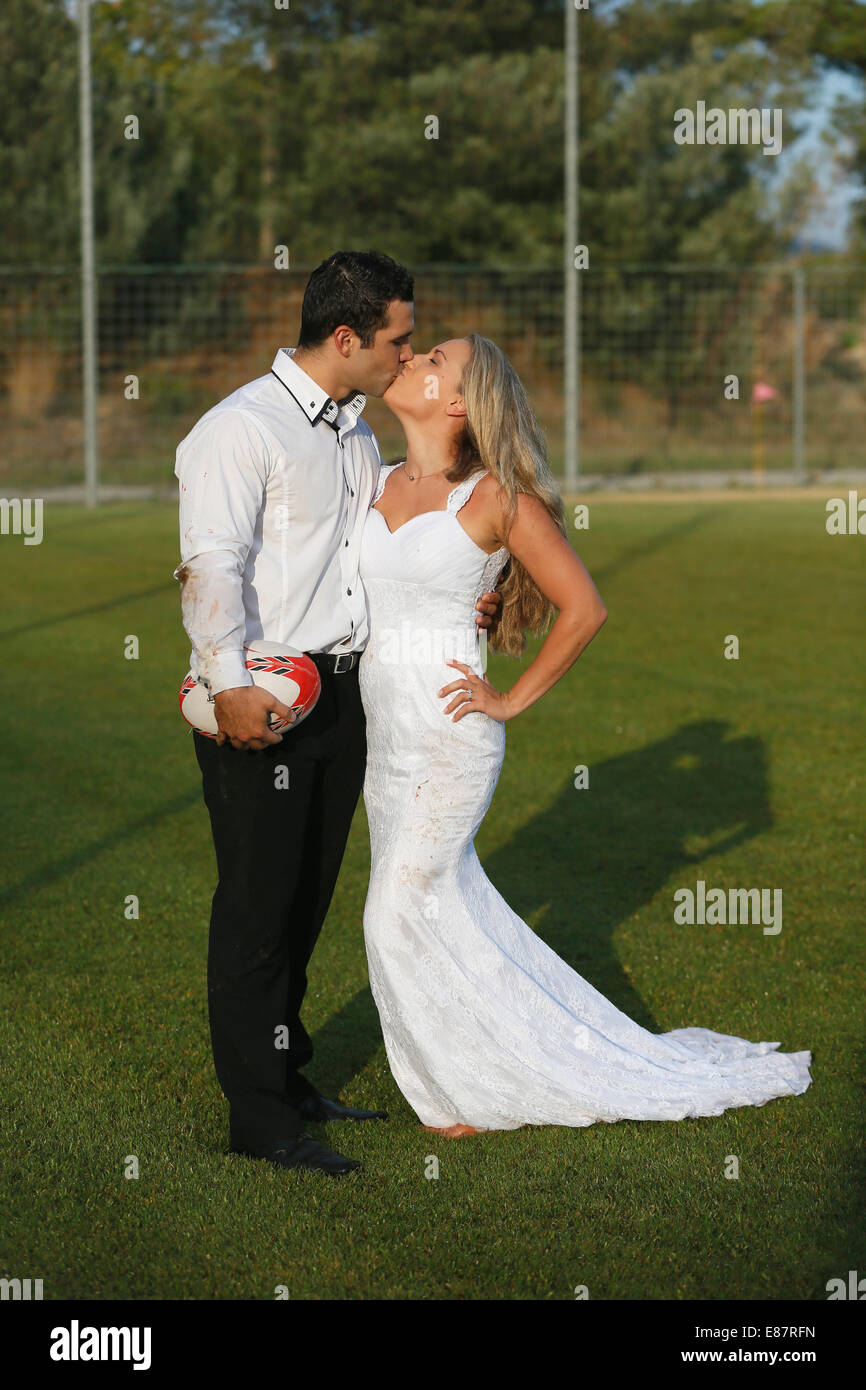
(384, 475)
(463, 491)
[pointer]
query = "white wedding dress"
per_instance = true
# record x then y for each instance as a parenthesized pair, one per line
(484, 1024)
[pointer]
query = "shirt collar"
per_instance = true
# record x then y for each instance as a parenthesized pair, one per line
(313, 399)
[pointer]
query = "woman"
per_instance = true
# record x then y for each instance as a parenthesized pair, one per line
(485, 1027)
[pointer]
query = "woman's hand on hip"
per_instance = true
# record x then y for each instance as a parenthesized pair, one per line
(483, 698)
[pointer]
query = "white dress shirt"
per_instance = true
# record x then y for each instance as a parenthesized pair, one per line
(272, 506)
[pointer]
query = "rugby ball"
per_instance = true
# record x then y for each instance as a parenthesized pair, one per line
(292, 676)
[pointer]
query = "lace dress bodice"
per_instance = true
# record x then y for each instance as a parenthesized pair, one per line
(432, 548)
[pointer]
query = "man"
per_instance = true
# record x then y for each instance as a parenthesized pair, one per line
(275, 482)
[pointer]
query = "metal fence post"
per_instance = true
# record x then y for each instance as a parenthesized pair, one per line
(88, 266)
(571, 306)
(799, 375)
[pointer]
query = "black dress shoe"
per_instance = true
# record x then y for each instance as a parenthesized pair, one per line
(325, 1111)
(303, 1151)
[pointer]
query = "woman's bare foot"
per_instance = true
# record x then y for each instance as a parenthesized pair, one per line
(454, 1132)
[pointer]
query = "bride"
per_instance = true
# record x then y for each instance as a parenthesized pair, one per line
(485, 1027)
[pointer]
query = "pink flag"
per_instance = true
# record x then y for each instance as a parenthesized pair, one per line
(762, 392)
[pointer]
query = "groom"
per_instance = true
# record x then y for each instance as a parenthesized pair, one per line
(275, 482)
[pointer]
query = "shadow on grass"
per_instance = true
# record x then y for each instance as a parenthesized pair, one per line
(73, 614)
(59, 868)
(659, 540)
(592, 858)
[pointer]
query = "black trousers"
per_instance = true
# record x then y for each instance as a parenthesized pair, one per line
(279, 850)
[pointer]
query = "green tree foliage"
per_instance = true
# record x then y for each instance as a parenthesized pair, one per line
(309, 126)
(38, 132)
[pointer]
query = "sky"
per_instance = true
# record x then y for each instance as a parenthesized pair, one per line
(829, 226)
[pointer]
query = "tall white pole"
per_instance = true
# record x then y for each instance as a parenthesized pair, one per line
(799, 376)
(88, 261)
(571, 311)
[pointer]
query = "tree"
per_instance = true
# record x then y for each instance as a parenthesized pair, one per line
(310, 126)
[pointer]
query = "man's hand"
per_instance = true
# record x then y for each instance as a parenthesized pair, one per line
(242, 717)
(488, 604)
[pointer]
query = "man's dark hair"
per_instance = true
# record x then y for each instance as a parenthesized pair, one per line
(355, 288)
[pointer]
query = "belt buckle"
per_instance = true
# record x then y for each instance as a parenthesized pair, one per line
(343, 656)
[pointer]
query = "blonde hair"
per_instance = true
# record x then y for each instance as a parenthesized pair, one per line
(502, 435)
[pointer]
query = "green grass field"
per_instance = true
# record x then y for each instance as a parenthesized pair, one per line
(743, 773)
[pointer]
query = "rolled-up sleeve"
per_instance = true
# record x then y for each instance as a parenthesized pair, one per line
(222, 469)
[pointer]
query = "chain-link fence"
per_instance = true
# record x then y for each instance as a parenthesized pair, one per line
(659, 349)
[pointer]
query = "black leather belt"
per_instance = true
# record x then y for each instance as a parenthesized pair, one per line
(334, 662)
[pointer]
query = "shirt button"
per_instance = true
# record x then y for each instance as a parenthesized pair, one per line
(345, 542)
(352, 490)
(348, 591)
